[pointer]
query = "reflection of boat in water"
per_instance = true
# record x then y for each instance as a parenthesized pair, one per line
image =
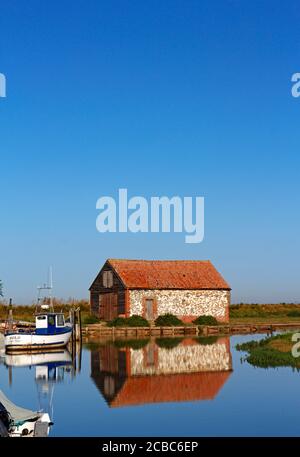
(16, 359)
(155, 373)
(50, 368)
(17, 421)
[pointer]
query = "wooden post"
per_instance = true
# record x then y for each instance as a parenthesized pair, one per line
(10, 378)
(73, 349)
(77, 324)
(73, 342)
(10, 316)
(79, 357)
(80, 324)
(72, 323)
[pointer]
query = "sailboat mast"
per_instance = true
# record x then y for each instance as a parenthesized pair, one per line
(46, 301)
(50, 288)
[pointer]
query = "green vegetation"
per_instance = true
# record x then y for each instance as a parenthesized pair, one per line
(264, 311)
(241, 313)
(95, 345)
(205, 320)
(295, 313)
(168, 320)
(206, 340)
(90, 320)
(26, 313)
(132, 343)
(132, 321)
(274, 351)
(118, 322)
(168, 343)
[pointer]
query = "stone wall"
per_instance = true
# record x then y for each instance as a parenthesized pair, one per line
(186, 304)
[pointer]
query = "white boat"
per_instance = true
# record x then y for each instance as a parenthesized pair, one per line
(50, 369)
(51, 329)
(16, 421)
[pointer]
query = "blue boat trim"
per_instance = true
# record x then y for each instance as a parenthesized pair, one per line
(68, 330)
(50, 332)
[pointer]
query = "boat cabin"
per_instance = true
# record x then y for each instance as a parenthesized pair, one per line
(50, 323)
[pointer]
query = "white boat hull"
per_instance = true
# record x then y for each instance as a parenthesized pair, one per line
(32, 341)
(28, 428)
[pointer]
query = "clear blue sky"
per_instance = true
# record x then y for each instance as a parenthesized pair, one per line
(164, 98)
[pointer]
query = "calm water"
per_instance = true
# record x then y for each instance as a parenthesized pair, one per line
(155, 390)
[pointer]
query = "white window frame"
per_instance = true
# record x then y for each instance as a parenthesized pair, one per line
(56, 320)
(41, 321)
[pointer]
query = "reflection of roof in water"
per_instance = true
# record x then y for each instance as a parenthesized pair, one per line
(17, 413)
(124, 377)
(174, 388)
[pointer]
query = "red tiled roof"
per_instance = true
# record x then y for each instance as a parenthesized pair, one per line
(139, 390)
(168, 274)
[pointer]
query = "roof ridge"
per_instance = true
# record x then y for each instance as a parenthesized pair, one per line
(156, 260)
(168, 274)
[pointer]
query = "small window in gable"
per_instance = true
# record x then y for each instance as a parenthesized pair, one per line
(104, 278)
(107, 277)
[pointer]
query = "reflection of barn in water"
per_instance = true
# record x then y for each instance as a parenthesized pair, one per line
(155, 373)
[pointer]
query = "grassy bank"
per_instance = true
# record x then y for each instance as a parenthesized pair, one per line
(26, 313)
(263, 313)
(239, 314)
(275, 351)
(264, 320)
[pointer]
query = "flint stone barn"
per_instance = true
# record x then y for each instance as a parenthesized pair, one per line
(150, 288)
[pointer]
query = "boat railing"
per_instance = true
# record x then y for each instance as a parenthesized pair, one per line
(21, 331)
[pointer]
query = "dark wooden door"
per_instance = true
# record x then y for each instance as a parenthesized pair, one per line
(109, 305)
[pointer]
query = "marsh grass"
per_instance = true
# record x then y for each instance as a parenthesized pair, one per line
(264, 311)
(271, 352)
(26, 313)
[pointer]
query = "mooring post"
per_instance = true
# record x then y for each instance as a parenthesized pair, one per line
(73, 327)
(80, 324)
(10, 378)
(73, 341)
(10, 315)
(77, 324)
(79, 357)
